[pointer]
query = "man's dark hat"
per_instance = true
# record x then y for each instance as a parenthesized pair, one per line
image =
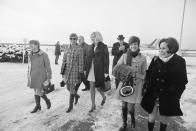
(121, 37)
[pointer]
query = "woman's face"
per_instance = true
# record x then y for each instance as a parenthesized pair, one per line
(93, 38)
(134, 46)
(73, 40)
(163, 50)
(33, 47)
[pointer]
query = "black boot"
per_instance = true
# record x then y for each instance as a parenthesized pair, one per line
(124, 117)
(71, 99)
(163, 127)
(38, 106)
(150, 126)
(48, 103)
(76, 98)
(132, 113)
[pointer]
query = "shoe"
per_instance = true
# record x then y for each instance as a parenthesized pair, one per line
(92, 109)
(103, 101)
(163, 127)
(85, 89)
(76, 98)
(38, 106)
(123, 127)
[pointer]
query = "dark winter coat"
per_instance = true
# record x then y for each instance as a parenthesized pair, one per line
(100, 58)
(167, 82)
(57, 49)
(85, 47)
(118, 53)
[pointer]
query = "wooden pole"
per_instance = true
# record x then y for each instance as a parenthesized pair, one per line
(24, 47)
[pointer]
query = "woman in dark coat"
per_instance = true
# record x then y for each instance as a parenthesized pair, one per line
(97, 67)
(166, 78)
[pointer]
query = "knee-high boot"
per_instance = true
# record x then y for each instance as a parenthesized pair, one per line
(76, 94)
(48, 103)
(132, 113)
(150, 126)
(163, 127)
(71, 100)
(124, 117)
(38, 106)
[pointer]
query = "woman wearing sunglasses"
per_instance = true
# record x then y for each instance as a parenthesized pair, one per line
(72, 68)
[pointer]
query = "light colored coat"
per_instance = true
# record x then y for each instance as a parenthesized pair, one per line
(73, 64)
(39, 69)
(139, 64)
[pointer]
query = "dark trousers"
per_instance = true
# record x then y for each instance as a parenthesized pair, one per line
(56, 59)
(84, 80)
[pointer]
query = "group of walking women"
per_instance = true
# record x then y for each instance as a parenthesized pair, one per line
(163, 82)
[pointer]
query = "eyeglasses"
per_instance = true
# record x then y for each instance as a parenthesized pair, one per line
(73, 38)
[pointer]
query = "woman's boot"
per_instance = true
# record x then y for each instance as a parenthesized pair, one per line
(124, 117)
(71, 100)
(163, 127)
(48, 103)
(132, 113)
(76, 98)
(38, 106)
(150, 126)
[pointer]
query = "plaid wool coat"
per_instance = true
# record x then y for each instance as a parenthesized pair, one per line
(72, 66)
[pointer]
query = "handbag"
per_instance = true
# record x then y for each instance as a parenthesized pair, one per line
(127, 88)
(107, 84)
(49, 88)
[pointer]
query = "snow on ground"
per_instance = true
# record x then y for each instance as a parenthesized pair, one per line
(16, 102)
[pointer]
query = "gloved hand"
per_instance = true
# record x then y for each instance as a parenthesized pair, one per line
(80, 76)
(62, 83)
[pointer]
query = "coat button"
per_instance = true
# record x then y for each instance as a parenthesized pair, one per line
(157, 79)
(161, 89)
(159, 70)
(162, 80)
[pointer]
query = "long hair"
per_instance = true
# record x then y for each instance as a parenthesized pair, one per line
(96, 37)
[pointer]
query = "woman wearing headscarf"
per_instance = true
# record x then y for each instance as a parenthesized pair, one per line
(166, 78)
(138, 65)
(97, 67)
(39, 73)
(72, 68)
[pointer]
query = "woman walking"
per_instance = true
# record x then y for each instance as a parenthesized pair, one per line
(97, 67)
(166, 79)
(39, 73)
(138, 63)
(72, 69)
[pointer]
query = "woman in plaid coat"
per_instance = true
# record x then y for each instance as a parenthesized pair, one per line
(72, 68)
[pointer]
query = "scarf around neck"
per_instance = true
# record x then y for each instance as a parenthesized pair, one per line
(166, 59)
(130, 55)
